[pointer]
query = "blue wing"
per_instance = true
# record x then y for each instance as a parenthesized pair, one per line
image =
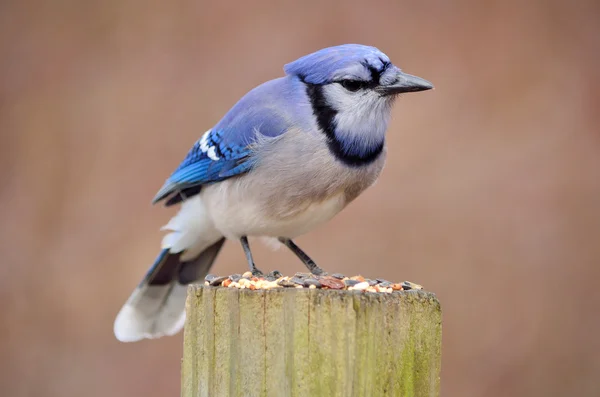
(211, 159)
(224, 152)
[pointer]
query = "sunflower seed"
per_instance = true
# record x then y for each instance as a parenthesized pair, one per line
(311, 281)
(235, 277)
(350, 283)
(332, 283)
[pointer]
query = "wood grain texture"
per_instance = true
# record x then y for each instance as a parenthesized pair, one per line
(302, 342)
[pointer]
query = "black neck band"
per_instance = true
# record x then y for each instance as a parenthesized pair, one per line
(325, 115)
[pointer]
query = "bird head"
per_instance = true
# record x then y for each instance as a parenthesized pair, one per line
(352, 88)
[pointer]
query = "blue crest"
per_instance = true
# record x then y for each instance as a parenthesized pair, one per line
(343, 61)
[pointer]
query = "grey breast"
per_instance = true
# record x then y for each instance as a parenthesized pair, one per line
(297, 169)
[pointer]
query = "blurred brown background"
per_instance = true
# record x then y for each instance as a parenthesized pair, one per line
(490, 197)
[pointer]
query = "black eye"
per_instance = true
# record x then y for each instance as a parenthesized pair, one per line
(352, 85)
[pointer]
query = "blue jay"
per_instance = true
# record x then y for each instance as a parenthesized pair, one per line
(287, 157)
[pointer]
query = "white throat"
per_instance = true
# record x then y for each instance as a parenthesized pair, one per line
(362, 117)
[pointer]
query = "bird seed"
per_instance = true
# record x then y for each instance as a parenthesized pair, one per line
(336, 281)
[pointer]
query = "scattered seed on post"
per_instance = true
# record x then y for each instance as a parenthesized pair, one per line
(336, 281)
(311, 282)
(332, 283)
(350, 283)
(216, 281)
(361, 286)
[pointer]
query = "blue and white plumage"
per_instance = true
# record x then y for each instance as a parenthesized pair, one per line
(288, 156)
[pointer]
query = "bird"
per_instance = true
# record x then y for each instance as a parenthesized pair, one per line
(287, 157)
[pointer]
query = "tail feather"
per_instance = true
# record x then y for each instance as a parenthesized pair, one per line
(157, 306)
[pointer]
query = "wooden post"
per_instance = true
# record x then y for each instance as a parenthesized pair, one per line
(310, 342)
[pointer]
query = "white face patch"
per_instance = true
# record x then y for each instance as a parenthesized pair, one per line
(363, 114)
(205, 148)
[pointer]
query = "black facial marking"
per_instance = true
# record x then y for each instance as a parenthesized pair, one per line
(385, 64)
(375, 74)
(325, 115)
(352, 85)
(357, 85)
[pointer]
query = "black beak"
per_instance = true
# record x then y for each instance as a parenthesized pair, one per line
(405, 83)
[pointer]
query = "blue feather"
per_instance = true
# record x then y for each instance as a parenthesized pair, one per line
(198, 168)
(343, 61)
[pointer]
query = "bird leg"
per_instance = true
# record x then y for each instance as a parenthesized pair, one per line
(246, 246)
(309, 263)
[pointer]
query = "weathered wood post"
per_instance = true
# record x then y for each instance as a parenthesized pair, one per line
(310, 342)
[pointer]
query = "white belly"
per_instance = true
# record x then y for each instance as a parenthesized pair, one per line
(236, 214)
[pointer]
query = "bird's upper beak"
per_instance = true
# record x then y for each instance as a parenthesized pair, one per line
(405, 83)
